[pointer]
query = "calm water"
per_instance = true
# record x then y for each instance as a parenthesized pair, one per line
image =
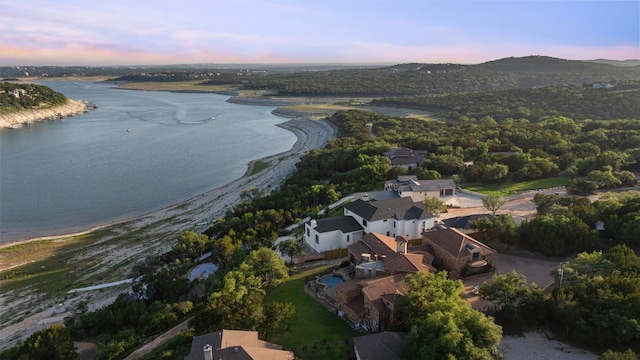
(137, 152)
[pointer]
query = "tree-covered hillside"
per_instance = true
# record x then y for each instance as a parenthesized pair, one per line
(616, 100)
(434, 79)
(413, 79)
(16, 97)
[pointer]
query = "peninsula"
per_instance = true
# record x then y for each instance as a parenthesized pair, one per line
(26, 103)
(17, 119)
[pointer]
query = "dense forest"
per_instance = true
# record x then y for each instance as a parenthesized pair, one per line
(409, 79)
(16, 97)
(598, 293)
(435, 79)
(617, 100)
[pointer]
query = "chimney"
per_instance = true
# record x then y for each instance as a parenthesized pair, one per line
(401, 245)
(314, 223)
(208, 352)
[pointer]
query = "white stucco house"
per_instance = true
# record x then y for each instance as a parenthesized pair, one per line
(391, 217)
(332, 233)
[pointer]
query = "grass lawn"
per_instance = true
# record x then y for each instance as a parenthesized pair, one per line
(258, 166)
(511, 188)
(313, 332)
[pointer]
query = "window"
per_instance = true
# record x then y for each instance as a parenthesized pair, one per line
(317, 239)
(476, 256)
(364, 222)
(387, 233)
(394, 224)
(348, 238)
(308, 232)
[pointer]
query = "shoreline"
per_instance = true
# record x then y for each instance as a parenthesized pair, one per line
(299, 127)
(151, 233)
(15, 120)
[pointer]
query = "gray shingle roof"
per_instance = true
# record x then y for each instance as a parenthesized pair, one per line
(463, 222)
(380, 346)
(399, 209)
(429, 185)
(346, 224)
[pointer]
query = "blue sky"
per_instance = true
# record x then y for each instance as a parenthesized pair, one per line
(117, 32)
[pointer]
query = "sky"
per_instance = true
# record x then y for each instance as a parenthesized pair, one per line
(155, 32)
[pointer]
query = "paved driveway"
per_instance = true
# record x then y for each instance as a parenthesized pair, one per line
(536, 270)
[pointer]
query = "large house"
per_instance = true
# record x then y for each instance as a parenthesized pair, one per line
(393, 217)
(406, 158)
(235, 345)
(369, 303)
(377, 255)
(417, 190)
(457, 252)
(382, 262)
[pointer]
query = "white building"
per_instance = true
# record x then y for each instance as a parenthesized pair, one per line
(392, 217)
(332, 233)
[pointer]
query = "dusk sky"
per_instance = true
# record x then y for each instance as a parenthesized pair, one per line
(117, 32)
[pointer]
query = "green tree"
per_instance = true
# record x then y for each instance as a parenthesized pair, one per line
(434, 205)
(52, 343)
(236, 305)
(598, 303)
(494, 173)
(224, 248)
(615, 355)
(290, 247)
(557, 234)
(501, 227)
(442, 325)
(581, 187)
(191, 245)
(604, 179)
(274, 314)
(493, 202)
(505, 289)
(266, 265)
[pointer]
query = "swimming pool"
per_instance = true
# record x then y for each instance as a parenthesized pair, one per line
(331, 280)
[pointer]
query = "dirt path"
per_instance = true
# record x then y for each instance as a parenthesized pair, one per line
(150, 346)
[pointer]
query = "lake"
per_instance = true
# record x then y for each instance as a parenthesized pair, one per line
(139, 151)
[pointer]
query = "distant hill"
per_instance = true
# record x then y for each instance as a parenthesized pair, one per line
(543, 64)
(348, 80)
(617, 62)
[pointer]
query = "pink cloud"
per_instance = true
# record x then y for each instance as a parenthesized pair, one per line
(48, 51)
